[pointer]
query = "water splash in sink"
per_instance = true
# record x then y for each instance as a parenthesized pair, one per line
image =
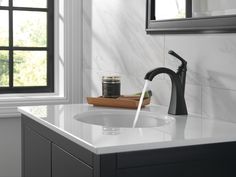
(140, 103)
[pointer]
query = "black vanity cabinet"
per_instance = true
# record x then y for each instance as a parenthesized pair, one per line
(42, 158)
(37, 154)
(65, 164)
(45, 153)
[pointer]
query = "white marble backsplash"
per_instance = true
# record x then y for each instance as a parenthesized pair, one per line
(115, 42)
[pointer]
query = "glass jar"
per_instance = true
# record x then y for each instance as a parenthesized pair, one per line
(111, 86)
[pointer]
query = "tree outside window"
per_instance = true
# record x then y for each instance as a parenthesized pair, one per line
(26, 46)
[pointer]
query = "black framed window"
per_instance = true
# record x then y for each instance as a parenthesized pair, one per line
(26, 46)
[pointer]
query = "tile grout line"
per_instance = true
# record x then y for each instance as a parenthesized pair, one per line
(164, 49)
(202, 101)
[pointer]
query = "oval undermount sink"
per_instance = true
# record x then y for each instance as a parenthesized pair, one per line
(123, 119)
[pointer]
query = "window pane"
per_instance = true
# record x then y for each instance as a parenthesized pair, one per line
(4, 68)
(30, 68)
(4, 28)
(4, 2)
(30, 3)
(30, 29)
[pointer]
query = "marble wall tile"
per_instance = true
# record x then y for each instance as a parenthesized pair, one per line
(219, 104)
(115, 39)
(211, 58)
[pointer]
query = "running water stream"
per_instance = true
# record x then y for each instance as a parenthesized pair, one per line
(140, 103)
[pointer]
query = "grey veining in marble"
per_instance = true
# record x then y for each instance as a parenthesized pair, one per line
(211, 58)
(218, 103)
(117, 41)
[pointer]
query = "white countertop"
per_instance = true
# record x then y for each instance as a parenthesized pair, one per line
(183, 131)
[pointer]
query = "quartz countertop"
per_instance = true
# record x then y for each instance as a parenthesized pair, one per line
(183, 131)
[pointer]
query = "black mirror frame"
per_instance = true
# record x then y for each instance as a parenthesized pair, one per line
(218, 24)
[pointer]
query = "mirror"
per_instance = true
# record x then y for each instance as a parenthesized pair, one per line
(210, 8)
(191, 16)
(170, 9)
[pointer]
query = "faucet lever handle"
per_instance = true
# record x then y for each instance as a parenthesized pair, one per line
(182, 68)
(184, 62)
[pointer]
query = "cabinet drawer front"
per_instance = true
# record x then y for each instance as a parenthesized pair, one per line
(66, 165)
(177, 155)
(190, 169)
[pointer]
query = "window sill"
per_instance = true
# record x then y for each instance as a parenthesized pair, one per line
(9, 103)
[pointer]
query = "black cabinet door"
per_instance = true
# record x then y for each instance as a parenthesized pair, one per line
(36, 155)
(66, 165)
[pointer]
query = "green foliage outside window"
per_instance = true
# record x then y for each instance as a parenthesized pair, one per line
(30, 67)
(4, 68)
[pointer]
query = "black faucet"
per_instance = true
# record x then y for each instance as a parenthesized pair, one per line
(177, 101)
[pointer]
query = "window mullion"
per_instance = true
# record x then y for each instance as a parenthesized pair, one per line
(11, 65)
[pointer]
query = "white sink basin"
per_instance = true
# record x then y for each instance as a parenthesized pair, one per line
(123, 119)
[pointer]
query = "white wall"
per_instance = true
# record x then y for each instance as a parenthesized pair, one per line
(10, 147)
(115, 42)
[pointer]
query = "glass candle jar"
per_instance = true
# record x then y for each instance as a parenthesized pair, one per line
(111, 86)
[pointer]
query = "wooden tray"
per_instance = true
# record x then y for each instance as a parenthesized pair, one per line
(121, 102)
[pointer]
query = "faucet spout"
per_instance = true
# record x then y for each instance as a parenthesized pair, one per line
(153, 73)
(177, 102)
